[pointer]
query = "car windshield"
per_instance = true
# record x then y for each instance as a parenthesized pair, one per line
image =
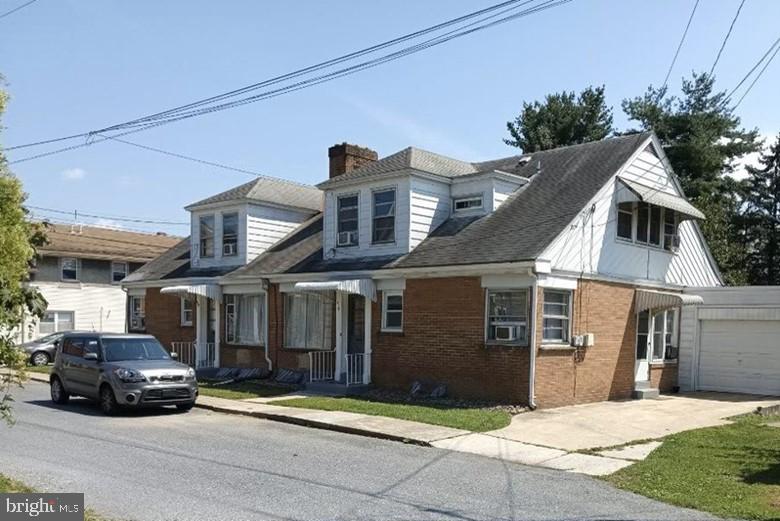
(48, 338)
(118, 349)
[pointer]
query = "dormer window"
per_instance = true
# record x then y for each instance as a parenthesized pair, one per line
(648, 224)
(229, 234)
(467, 203)
(383, 229)
(206, 234)
(347, 228)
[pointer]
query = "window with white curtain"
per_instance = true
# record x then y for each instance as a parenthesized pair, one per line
(308, 320)
(243, 319)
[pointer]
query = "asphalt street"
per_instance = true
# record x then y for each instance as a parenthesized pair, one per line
(166, 465)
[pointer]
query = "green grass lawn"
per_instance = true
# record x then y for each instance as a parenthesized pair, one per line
(45, 369)
(477, 420)
(10, 486)
(242, 390)
(731, 470)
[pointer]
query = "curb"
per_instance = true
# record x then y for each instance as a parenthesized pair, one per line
(314, 424)
(38, 377)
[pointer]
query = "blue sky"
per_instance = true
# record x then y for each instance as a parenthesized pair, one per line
(76, 65)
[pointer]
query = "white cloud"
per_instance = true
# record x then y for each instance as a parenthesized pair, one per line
(752, 159)
(74, 174)
(108, 223)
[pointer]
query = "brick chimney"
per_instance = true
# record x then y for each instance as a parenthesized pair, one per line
(346, 158)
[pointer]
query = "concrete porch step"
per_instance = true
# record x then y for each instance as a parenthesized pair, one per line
(331, 388)
(645, 394)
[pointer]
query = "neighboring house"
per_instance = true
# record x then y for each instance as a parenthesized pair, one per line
(79, 275)
(549, 278)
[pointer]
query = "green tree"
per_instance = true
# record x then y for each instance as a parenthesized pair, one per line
(18, 241)
(563, 119)
(761, 218)
(703, 140)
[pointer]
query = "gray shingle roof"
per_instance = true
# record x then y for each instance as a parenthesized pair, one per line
(534, 215)
(424, 161)
(268, 190)
(174, 264)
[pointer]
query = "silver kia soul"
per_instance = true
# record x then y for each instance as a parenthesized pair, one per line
(120, 370)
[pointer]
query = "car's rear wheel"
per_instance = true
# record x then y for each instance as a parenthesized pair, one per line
(58, 393)
(184, 407)
(108, 401)
(40, 358)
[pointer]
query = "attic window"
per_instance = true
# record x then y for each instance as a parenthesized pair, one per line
(467, 203)
(206, 236)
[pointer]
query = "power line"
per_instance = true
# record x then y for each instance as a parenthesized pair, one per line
(113, 217)
(752, 69)
(12, 11)
(682, 40)
(726, 39)
(176, 114)
(758, 76)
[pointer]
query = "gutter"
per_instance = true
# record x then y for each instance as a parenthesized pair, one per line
(265, 334)
(532, 356)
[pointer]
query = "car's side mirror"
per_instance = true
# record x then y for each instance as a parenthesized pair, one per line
(91, 356)
(56, 343)
(175, 355)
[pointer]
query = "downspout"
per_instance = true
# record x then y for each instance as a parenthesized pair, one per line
(532, 352)
(265, 327)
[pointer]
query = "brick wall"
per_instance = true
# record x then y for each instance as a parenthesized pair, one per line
(604, 371)
(443, 341)
(163, 318)
(664, 376)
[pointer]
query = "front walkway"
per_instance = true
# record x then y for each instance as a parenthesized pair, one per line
(606, 424)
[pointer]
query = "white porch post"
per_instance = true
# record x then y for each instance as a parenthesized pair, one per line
(201, 335)
(339, 334)
(217, 309)
(367, 340)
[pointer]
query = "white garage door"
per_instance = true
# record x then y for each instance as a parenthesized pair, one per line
(741, 356)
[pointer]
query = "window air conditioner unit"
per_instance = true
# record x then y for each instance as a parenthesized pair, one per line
(505, 333)
(346, 238)
(229, 249)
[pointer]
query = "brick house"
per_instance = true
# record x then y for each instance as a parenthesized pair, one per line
(550, 278)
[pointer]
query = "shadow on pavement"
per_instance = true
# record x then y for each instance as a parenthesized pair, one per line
(90, 408)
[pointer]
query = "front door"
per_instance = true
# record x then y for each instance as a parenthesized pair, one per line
(354, 357)
(642, 366)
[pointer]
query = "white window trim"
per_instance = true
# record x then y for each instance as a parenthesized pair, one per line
(213, 236)
(635, 224)
(232, 297)
(78, 269)
(568, 318)
(456, 200)
(184, 322)
(238, 234)
(529, 302)
(323, 315)
(142, 316)
(344, 195)
(675, 337)
(394, 189)
(127, 270)
(392, 293)
(56, 314)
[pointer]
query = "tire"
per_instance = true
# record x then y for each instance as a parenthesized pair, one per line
(184, 407)
(108, 401)
(40, 358)
(58, 393)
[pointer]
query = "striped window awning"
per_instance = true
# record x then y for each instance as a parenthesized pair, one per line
(648, 299)
(212, 291)
(365, 287)
(652, 195)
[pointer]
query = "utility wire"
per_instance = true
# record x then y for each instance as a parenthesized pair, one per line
(96, 137)
(726, 39)
(752, 69)
(12, 11)
(112, 217)
(760, 73)
(682, 40)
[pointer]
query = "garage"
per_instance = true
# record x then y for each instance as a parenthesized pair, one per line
(741, 356)
(731, 341)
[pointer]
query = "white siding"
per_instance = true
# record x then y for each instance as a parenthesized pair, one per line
(266, 225)
(591, 245)
(430, 206)
(364, 247)
(688, 325)
(259, 227)
(501, 192)
(475, 186)
(95, 307)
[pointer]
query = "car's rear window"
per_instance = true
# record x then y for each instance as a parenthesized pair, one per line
(119, 349)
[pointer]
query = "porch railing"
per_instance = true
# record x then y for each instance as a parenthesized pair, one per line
(322, 365)
(357, 364)
(197, 355)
